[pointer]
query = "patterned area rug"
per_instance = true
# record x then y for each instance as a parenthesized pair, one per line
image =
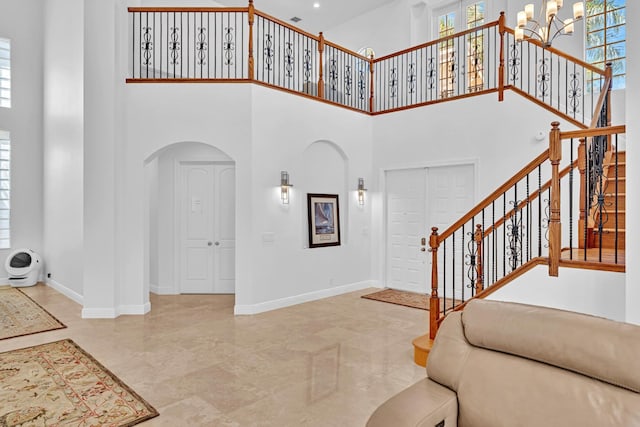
(20, 315)
(408, 299)
(60, 384)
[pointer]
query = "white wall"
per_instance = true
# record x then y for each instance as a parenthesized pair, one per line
(633, 166)
(63, 144)
(599, 293)
(22, 23)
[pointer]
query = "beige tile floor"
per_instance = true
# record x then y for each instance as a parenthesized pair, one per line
(324, 363)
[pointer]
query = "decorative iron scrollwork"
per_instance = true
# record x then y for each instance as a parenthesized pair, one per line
(471, 260)
(514, 234)
(575, 92)
(546, 220)
(174, 45)
(475, 67)
(201, 45)
(288, 59)
(544, 78)
(306, 65)
(268, 52)
(393, 83)
(333, 74)
(597, 181)
(229, 45)
(514, 62)
(362, 85)
(147, 45)
(411, 78)
(348, 80)
(431, 73)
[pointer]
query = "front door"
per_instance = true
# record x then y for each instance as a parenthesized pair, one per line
(207, 227)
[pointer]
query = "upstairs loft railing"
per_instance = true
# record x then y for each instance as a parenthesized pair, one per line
(554, 211)
(247, 45)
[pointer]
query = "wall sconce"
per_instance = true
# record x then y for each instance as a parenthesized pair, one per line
(284, 187)
(361, 191)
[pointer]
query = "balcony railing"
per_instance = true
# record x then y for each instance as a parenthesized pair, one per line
(244, 44)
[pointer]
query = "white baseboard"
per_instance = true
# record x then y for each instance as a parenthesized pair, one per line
(162, 290)
(299, 299)
(112, 313)
(69, 293)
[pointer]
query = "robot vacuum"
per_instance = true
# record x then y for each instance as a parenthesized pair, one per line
(23, 266)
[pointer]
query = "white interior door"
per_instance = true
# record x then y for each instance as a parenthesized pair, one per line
(207, 228)
(406, 224)
(416, 200)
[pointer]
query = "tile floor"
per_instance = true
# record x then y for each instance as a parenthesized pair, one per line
(324, 363)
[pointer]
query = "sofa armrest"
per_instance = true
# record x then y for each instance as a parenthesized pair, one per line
(424, 404)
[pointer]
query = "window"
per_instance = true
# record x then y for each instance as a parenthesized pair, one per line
(606, 37)
(447, 53)
(5, 73)
(5, 189)
(475, 47)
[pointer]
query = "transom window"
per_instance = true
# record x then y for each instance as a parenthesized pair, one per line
(606, 37)
(5, 73)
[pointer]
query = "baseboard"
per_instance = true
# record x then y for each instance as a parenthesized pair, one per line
(162, 290)
(69, 293)
(299, 299)
(112, 313)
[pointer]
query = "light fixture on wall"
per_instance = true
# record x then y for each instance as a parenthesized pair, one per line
(361, 191)
(285, 187)
(548, 26)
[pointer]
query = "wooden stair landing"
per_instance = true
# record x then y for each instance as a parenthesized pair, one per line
(593, 256)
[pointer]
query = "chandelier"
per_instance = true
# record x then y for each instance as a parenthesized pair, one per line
(548, 26)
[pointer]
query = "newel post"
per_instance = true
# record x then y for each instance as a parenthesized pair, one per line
(371, 84)
(502, 31)
(555, 155)
(434, 300)
(252, 12)
(479, 268)
(320, 69)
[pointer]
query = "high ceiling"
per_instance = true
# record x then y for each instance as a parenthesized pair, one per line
(330, 13)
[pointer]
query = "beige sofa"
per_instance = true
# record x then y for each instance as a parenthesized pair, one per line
(503, 364)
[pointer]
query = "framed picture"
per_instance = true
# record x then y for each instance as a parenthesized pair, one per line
(324, 220)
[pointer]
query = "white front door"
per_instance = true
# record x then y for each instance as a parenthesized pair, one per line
(406, 224)
(207, 228)
(416, 200)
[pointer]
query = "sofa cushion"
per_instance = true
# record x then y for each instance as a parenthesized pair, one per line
(449, 353)
(501, 390)
(592, 346)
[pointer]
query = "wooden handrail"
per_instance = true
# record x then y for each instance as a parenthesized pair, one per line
(497, 193)
(188, 9)
(440, 40)
(547, 107)
(561, 54)
(285, 24)
(601, 100)
(345, 50)
(564, 172)
(588, 133)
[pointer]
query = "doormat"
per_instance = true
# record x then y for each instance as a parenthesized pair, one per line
(408, 299)
(60, 384)
(20, 315)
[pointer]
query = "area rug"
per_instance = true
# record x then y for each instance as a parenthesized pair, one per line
(20, 315)
(408, 299)
(59, 384)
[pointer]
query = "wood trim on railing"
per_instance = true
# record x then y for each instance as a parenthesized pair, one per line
(564, 172)
(185, 80)
(188, 9)
(285, 24)
(320, 66)
(588, 133)
(252, 12)
(561, 54)
(501, 31)
(549, 108)
(345, 50)
(593, 265)
(436, 101)
(604, 94)
(440, 40)
(487, 200)
(555, 227)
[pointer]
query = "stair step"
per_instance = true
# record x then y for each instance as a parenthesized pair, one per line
(421, 348)
(611, 184)
(609, 238)
(611, 219)
(610, 201)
